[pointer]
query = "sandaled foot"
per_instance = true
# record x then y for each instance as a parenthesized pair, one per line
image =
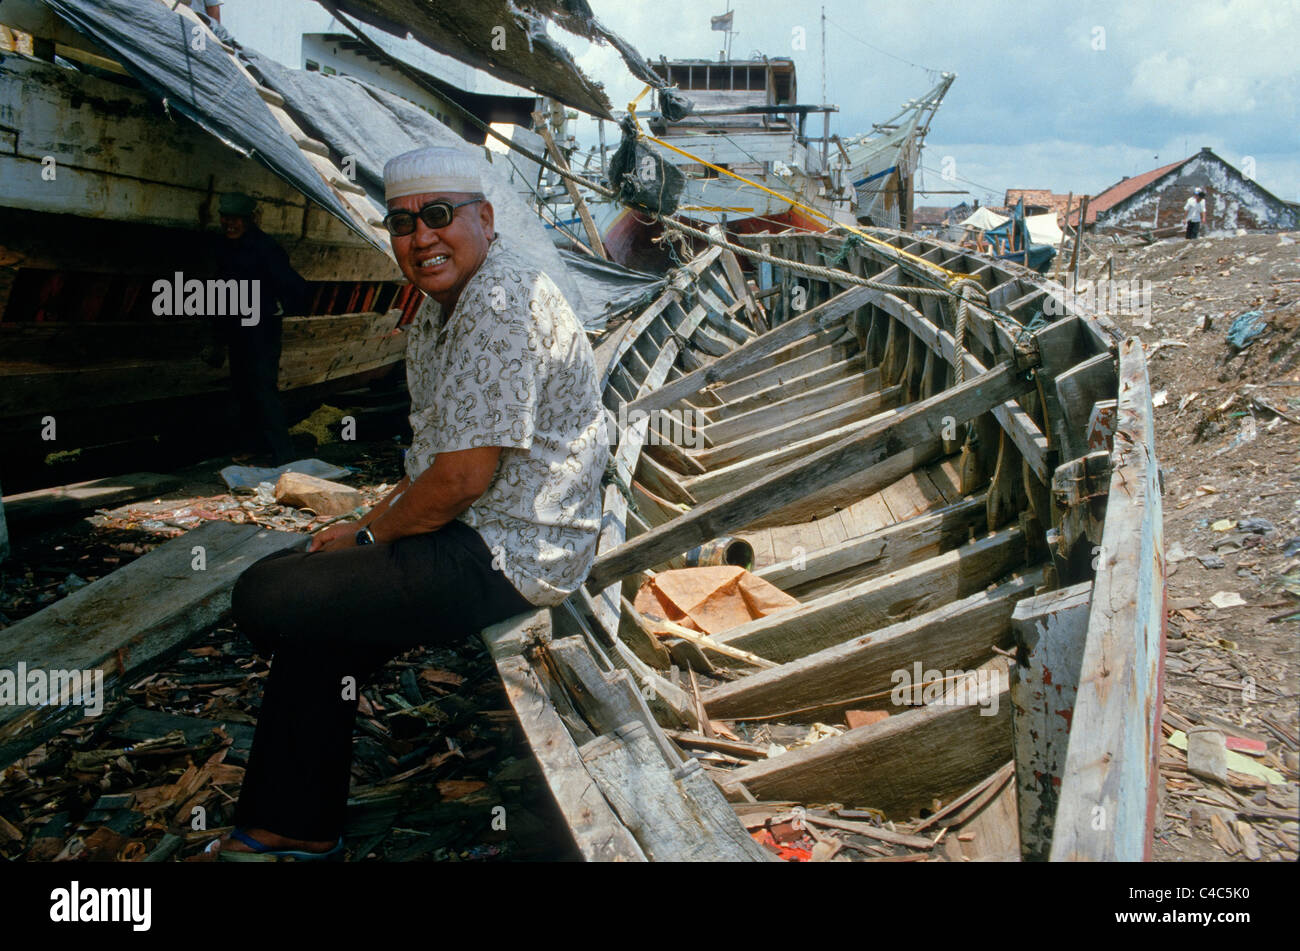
(262, 845)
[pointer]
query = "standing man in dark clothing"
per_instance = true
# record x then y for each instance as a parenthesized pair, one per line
(248, 254)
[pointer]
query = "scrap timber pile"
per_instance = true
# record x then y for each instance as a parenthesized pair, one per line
(154, 776)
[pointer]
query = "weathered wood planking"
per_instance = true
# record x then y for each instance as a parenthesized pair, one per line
(129, 619)
(87, 496)
(873, 444)
(957, 634)
(596, 830)
(613, 528)
(1108, 792)
(735, 364)
(1018, 424)
(795, 431)
(1050, 630)
(901, 764)
(873, 603)
(726, 429)
(776, 395)
(676, 815)
(794, 368)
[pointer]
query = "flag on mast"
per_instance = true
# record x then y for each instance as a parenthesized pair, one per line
(722, 22)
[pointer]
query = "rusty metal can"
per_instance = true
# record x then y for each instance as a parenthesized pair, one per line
(722, 551)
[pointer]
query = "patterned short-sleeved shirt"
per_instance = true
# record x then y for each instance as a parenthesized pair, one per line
(512, 368)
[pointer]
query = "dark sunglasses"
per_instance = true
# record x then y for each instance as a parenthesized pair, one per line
(436, 214)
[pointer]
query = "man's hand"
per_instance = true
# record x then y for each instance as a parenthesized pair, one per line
(334, 538)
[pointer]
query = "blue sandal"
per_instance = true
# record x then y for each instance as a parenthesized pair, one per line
(263, 853)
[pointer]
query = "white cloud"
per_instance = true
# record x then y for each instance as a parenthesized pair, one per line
(1171, 82)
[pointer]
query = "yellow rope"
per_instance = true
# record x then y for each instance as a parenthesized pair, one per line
(631, 107)
(953, 276)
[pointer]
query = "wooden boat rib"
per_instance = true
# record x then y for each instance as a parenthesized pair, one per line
(924, 519)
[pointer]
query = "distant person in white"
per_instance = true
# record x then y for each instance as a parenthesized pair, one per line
(212, 8)
(1196, 213)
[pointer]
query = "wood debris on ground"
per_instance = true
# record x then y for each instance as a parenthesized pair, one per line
(157, 776)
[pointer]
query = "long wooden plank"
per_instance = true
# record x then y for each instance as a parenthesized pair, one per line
(853, 386)
(774, 395)
(898, 595)
(807, 425)
(899, 765)
(776, 454)
(596, 830)
(87, 496)
(792, 369)
(1050, 631)
(1108, 792)
(129, 619)
(956, 634)
(835, 567)
(734, 364)
(874, 443)
(856, 487)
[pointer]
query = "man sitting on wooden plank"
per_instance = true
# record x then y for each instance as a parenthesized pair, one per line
(499, 510)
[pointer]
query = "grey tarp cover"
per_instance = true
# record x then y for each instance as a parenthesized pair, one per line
(156, 46)
(506, 38)
(609, 288)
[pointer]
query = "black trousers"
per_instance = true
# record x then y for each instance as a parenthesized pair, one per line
(1193, 228)
(254, 375)
(329, 621)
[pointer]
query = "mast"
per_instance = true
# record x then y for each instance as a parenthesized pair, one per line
(723, 23)
(826, 116)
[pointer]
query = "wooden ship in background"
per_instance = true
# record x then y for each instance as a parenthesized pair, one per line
(746, 119)
(130, 196)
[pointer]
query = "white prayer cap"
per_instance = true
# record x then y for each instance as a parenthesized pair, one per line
(431, 169)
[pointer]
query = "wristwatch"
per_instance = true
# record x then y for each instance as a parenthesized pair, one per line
(365, 537)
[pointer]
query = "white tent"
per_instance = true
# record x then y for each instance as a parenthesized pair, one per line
(1043, 229)
(983, 219)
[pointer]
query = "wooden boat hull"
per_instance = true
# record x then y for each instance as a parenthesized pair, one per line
(90, 220)
(924, 519)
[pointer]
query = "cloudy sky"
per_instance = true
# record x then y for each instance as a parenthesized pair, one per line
(1070, 97)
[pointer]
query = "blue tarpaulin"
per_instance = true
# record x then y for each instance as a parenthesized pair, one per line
(1014, 233)
(1246, 328)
